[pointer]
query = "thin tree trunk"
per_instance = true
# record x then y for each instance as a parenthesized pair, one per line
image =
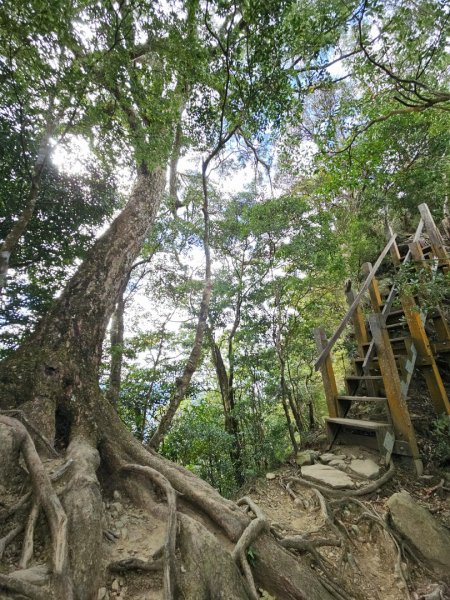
(231, 422)
(182, 382)
(289, 423)
(287, 394)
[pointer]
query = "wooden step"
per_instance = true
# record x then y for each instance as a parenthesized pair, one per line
(375, 358)
(372, 434)
(358, 423)
(399, 339)
(395, 313)
(364, 377)
(363, 398)
(398, 325)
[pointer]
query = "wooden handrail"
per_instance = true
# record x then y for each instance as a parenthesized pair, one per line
(392, 295)
(326, 351)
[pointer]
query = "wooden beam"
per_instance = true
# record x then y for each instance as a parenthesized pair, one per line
(401, 419)
(329, 380)
(359, 323)
(326, 351)
(436, 240)
(374, 290)
(395, 252)
(427, 362)
(440, 322)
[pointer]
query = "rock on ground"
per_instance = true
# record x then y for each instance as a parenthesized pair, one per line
(365, 468)
(328, 475)
(337, 462)
(325, 458)
(422, 530)
(304, 458)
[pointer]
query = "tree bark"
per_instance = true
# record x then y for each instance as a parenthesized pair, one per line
(116, 340)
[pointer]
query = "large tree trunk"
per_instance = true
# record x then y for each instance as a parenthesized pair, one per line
(53, 381)
(116, 339)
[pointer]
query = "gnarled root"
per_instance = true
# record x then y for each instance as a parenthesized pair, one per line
(82, 502)
(250, 534)
(17, 588)
(45, 495)
(170, 543)
(273, 568)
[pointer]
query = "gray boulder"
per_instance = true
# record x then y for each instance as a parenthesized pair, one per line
(418, 526)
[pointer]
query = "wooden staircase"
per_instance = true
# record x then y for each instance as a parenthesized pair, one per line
(392, 342)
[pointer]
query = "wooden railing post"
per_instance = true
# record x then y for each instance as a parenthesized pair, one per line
(359, 322)
(374, 290)
(326, 369)
(436, 241)
(395, 252)
(397, 403)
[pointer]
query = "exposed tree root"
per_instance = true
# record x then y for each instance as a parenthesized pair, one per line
(9, 512)
(437, 488)
(46, 496)
(20, 589)
(170, 543)
(20, 415)
(9, 537)
(27, 545)
(252, 531)
(373, 516)
(136, 564)
(82, 502)
(274, 568)
(299, 542)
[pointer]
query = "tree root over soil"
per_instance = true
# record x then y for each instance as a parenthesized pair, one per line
(45, 496)
(342, 533)
(196, 564)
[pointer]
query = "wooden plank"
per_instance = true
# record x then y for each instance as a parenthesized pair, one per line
(359, 424)
(328, 378)
(395, 252)
(397, 403)
(436, 240)
(359, 322)
(419, 231)
(326, 351)
(374, 290)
